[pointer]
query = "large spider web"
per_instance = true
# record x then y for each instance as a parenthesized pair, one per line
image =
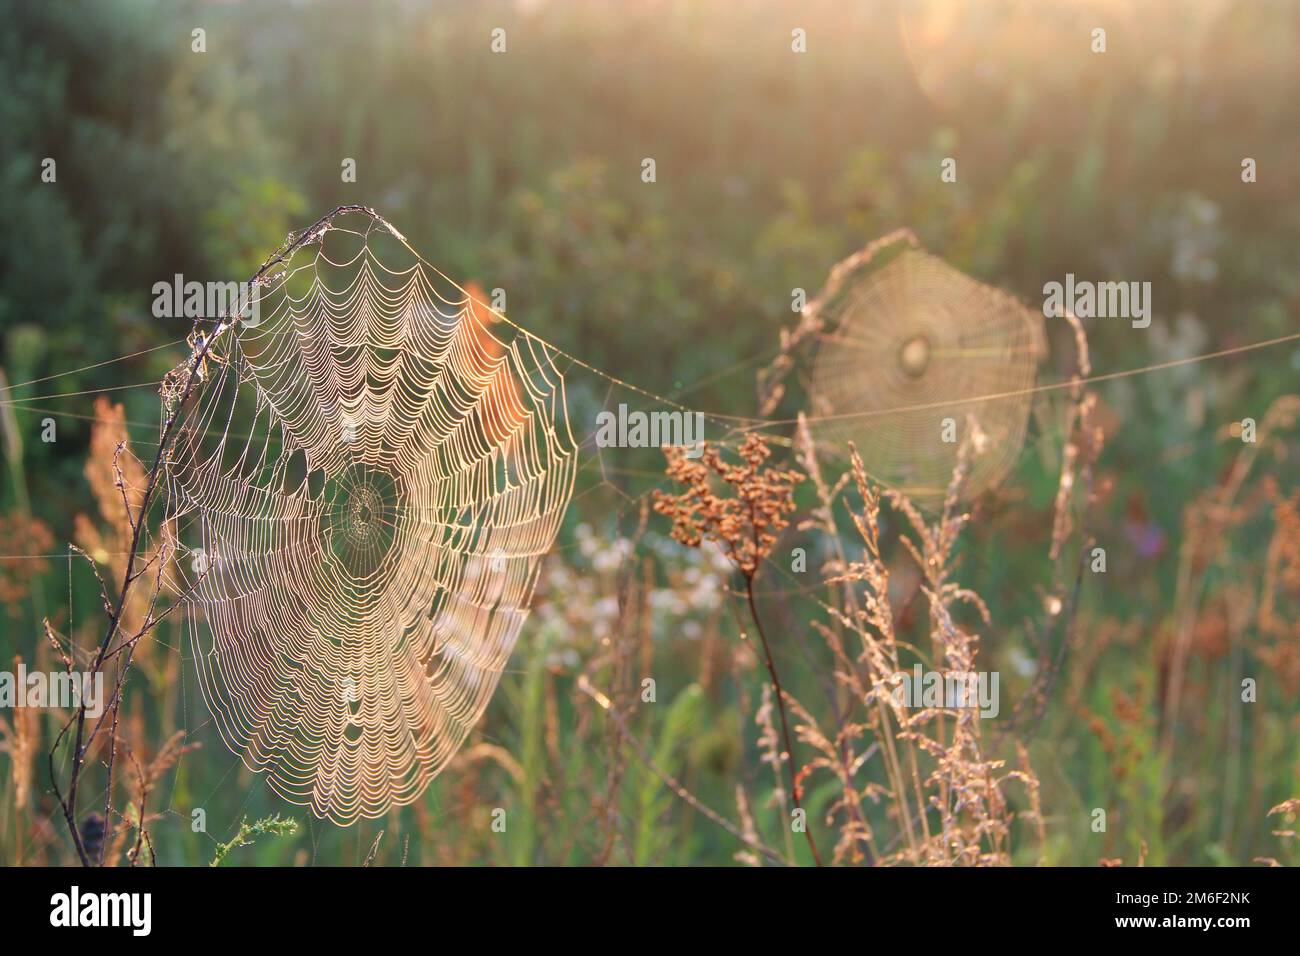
(368, 479)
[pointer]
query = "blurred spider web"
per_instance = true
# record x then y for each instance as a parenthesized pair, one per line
(915, 350)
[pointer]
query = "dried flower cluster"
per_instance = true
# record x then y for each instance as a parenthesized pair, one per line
(747, 522)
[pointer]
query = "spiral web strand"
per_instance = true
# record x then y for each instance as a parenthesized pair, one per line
(368, 479)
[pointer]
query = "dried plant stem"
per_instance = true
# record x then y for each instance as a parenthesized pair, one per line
(114, 624)
(852, 619)
(795, 795)
(196, 361)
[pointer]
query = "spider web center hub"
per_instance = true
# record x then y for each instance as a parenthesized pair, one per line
(363, 507)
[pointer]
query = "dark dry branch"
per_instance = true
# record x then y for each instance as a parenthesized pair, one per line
(178, 387)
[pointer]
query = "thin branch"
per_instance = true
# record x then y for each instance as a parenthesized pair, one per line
(203, 348)
(795, 794)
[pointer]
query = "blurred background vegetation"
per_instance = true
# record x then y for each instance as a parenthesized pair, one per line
(523, 171)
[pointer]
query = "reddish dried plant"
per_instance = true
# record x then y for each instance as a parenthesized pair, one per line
(22, 535)
(117, 480)
(1280, 649)
(743, 508)
(747, 521)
